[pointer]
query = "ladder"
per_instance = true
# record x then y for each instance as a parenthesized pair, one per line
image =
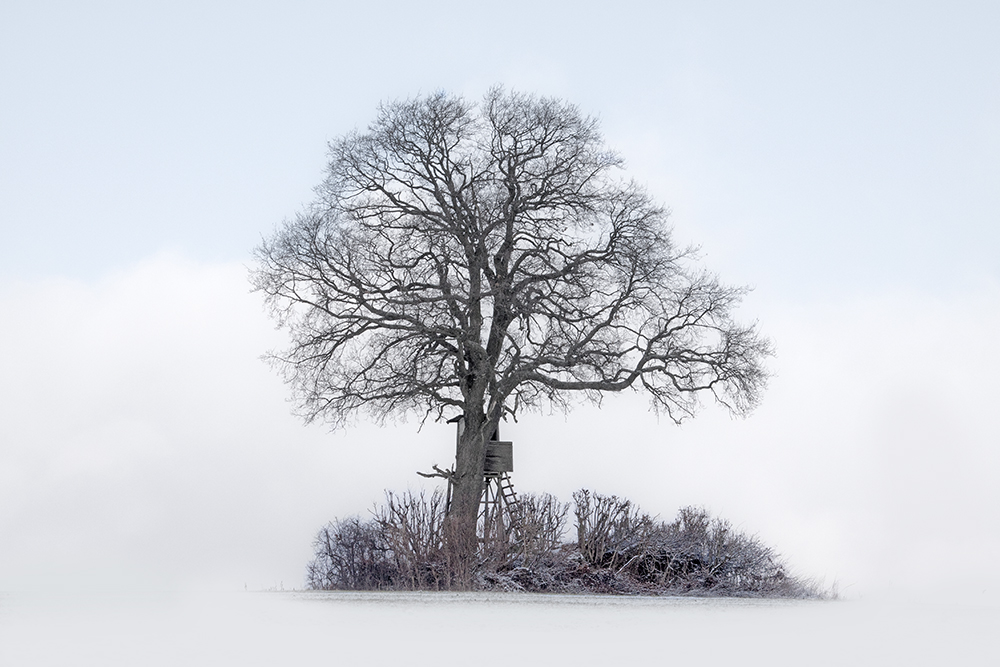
(498, 510)
(507, 490)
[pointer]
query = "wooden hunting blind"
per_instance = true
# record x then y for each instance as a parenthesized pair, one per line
(499, 457)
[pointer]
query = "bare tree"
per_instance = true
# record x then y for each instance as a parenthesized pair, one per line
(491, 258)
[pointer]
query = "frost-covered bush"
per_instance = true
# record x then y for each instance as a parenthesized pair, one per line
(619, 550)
(541, 524)
(609, 529)
(695, 553)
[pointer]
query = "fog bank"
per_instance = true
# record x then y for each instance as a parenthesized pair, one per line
(145, 445)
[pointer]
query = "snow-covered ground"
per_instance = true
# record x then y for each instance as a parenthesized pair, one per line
(292, 628)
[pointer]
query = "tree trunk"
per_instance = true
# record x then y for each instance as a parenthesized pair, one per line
(466, 493)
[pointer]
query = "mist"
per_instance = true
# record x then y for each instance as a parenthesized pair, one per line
(148, 446)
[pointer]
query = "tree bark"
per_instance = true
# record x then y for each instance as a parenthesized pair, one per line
(467, 490)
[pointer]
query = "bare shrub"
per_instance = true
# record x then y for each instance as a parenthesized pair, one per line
(619, 550)
(412, 527)
(610, 530)
(523, 535)
(696, 551)
(400, 548)
(541, 522)
(351, 555)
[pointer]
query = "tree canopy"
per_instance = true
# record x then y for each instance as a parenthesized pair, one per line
(488, 258)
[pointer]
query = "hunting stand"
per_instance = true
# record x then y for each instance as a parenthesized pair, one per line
(498, 506)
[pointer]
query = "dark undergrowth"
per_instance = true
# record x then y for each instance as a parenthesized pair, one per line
(618, 550)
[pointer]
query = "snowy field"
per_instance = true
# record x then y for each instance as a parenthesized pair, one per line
(299, 628)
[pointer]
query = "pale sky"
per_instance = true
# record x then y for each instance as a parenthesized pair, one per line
(842, 158)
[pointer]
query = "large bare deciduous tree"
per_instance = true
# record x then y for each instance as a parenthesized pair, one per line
(489, 258)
